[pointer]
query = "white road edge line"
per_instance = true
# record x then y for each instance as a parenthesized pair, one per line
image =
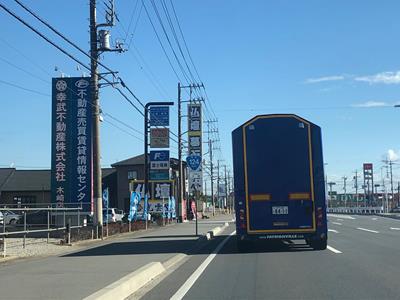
(394, 228)
(333, 250)
(369, 230)
(333, 230)
(193, 278)
(336, 223)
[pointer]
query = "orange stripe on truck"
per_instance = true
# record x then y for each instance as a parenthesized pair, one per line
(299, 196)
(260, 197)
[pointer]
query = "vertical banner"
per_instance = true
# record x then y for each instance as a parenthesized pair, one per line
(71, 167)
(194, 159)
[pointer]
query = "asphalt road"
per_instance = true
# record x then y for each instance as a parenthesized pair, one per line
(87, 269)
(362, 262)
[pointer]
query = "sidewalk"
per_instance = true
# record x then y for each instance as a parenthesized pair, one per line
(80, 273)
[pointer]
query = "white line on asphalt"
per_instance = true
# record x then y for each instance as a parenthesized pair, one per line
(340, 220)
(341, 216)
(336, 223)
(374, 219)
(333, 230)
(192, 279)
(333, 250)
(369, 230)
(394, 228)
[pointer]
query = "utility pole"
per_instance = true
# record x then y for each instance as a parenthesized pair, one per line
(356, 185)
(210, 147)
(218, 198)
(391, 181)
(345, 191)
(97, 194)
(330, 191)
(181, 175)
(226, 191)
(210, 151)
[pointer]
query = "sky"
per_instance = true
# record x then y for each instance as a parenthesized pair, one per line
(335, 63)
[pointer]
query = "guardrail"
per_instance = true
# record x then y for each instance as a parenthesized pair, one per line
(357, 210)
(56, 221)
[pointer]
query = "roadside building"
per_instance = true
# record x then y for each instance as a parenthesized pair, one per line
(33, 187)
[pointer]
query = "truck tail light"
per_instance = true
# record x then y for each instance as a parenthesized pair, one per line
(242, 222)
(320, 217)
(241, 215)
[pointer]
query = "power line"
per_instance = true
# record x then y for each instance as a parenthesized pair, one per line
(75, 46)
(22, 88)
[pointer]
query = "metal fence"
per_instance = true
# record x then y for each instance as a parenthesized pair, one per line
(357, 210)
(38, 221)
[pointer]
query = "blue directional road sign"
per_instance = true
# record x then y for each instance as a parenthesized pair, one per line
(159, 116)
(194, 162)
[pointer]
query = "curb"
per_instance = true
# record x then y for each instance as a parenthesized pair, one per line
(129, 284)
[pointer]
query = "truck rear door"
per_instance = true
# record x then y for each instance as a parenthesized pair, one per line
(278, 175)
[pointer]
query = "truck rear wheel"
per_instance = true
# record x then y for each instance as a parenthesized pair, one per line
(318, 244)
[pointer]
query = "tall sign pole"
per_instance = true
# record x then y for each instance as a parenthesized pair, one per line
(97, 193)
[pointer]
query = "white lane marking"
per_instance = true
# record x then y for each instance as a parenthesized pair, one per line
(333, 230)
(394, 228)
(369, 230)
(336, 223)
(374, 219)
(333, 250)
(192, 279)
(341, 216)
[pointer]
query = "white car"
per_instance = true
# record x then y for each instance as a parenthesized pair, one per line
(114, 215)
(11, 217)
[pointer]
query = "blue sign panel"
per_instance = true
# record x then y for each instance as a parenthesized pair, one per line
(71, 167)
(159, 116)
(160, 155)
(194, 162)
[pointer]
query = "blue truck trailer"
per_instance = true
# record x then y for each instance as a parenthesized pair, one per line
(279, 180)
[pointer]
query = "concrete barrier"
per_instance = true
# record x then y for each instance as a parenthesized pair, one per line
(215, 231)
(129, 284)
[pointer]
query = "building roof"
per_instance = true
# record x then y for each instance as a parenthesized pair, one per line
(139, 160)
(5, 174)
(136, 160)
(12, 180)
(28, 180)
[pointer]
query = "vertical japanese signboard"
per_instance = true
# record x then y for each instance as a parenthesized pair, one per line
(71, 167)
(159, 138)
(194, 158)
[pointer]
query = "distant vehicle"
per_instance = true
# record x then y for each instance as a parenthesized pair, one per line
(114, 215)
(11, 217)
(279, 180)
(395, 210)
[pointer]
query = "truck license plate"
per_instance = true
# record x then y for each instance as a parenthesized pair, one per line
(280, 210)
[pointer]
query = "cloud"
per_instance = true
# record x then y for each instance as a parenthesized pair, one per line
(368, 104)
(324, 79)
(384, 77)
(392, 155)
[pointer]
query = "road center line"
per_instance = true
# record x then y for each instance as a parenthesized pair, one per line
(333, 250)
(340, 220)
(369, 230)
(333, 230)
(193, 278)
(336, 223)
(394, 228)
